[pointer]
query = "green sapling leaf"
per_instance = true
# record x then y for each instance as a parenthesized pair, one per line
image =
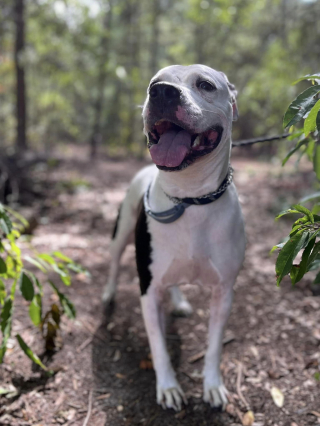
(26, 286)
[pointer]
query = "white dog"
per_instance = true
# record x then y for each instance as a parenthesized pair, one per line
(189, 229)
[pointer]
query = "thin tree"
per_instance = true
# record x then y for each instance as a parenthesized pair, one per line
(21, 102)
(101, 80)
(154, 45)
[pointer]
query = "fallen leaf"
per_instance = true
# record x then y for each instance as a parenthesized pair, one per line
(180, 415)
(120, 376)
(75, 384)
(146, 364)
(231, 410)
(248, 419)
(277, 396)
(104, 396)
(60, 399)
(316, 334)
(274, 374)
(315, 413)
(117, 355)
(254, 351)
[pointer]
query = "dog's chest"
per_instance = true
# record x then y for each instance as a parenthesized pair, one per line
(183, 252)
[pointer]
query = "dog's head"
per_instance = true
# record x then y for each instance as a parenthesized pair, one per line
(187, 114)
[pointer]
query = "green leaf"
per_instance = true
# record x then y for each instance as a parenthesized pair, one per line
(304, 210)
(304, 261)
(66, 280)
(3, 292)
(309, 150)
(295, 135)
(313, 255)
(6, 322)
(77, 269)
(296, 148)
(302, 220)
(35, 263)
(318, 121)
(316, 209)
(284, 212)
(307, 77)
(300, 106)
(66, 304)
(30, 354)
(47, 258)
(310, 124)
(18, 216)
(316, 160)
(26, 286)
(61, 256)
(5, 222)
(3, 266)
(310, 197)
(59, 270)
(293, 273)
(289, 253)
(295, 229)
(56, 314)
(314, 265)
(35, 310)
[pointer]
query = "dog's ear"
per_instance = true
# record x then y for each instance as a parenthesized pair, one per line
(233, 96)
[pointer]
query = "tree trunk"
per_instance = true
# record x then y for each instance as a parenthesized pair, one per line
(154, 47)
(21, 107)
(132, 65)
(96, 135)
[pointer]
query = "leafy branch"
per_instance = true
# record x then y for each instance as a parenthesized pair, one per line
(14, 273)
(305, 230)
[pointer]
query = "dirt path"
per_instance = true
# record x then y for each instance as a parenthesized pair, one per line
(273, 336)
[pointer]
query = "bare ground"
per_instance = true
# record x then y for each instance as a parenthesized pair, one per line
(104, 375)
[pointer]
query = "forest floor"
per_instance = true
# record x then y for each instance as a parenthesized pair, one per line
(104, 372)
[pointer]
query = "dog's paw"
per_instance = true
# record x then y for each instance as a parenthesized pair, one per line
(216, 396)
(182, 309)
(108, 294)
(171, 397)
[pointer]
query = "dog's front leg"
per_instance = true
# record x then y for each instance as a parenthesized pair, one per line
(215, 392)
(169, 392)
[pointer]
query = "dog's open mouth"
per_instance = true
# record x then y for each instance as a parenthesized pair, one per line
(174, 148)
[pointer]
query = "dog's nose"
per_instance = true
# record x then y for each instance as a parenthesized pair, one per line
(164, 93)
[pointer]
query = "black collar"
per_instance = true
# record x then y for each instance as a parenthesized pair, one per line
(171, 215)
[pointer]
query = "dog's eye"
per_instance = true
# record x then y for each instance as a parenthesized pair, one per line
(205, 85)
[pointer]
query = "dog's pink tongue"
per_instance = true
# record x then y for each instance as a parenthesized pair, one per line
(171, 149)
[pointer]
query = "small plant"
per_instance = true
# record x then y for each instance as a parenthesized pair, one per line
(14, 273)
(306, 229)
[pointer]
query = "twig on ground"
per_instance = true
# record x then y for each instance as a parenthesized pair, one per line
(239, 392)
(189, 377)
(196, 357)
(273, 360)
(85, 344)
(86, 420)
(201, 354)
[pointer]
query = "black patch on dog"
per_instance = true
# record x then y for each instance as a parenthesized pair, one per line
(143, 250)
(114, 232)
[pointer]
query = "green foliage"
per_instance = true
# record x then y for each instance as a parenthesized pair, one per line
(301, 106)
(13, 272)
(306, 229)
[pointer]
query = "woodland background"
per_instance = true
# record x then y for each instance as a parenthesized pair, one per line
(73, 77)
(81, 67)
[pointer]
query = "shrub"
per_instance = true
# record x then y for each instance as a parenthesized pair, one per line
(14, 273)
